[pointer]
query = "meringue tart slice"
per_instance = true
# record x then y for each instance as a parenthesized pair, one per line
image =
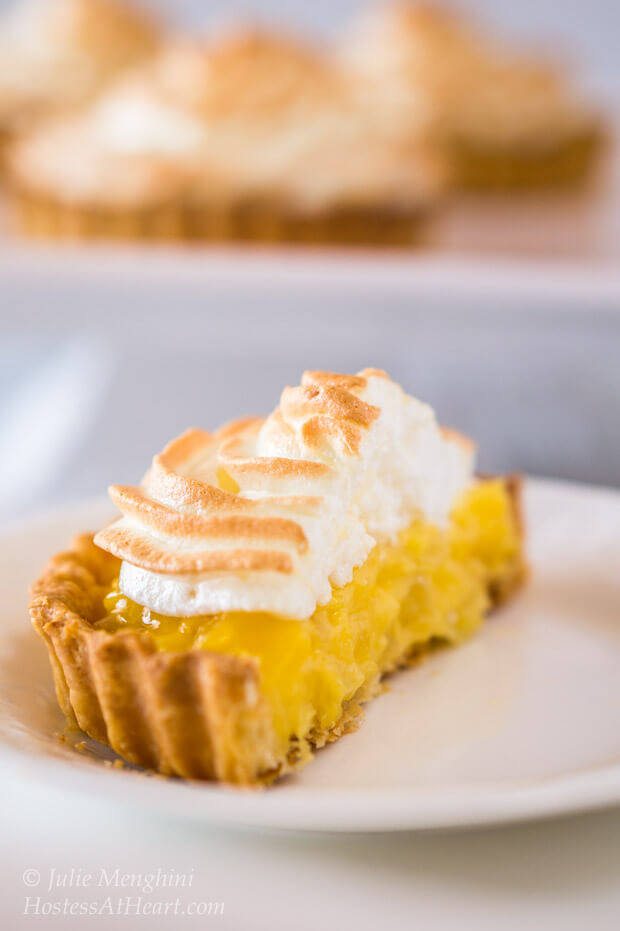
(247, 691)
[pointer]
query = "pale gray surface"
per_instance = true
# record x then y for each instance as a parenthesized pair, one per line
(561, 876)
(99, 370)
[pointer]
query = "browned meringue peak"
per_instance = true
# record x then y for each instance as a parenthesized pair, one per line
(139, 144)
(179, 75)
(268, 515)
(431, 33)
(328, 413)
(413, 58)
(422, 50)
(60, 53)
(254, 74)
(284, 121)
(180, 505)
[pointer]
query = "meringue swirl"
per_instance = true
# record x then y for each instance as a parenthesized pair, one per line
(268, 515)
(419, 63)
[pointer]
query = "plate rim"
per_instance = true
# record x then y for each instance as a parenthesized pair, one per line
(283, 808)
(286, 807)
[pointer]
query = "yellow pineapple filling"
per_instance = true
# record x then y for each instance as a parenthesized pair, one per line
(428, 585)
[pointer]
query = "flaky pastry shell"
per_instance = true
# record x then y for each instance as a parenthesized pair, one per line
(40, 216)
(564, 165)
(194, 714)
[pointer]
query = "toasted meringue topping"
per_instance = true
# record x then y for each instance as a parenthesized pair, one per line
(341, 464)
(249, 115)
(423, 62)
(56, 53)
(135, 117)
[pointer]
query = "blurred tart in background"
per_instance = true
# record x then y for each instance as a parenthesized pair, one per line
(59, 54)
(263, 579)
(300, 160)
(252, 137)
(504, 120)
(124, 167)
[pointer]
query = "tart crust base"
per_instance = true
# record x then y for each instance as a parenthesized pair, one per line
(187, 714)
(39, 216)
(564, 166)
(193, 714)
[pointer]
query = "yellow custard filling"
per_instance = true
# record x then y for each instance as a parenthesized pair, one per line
(429, 585)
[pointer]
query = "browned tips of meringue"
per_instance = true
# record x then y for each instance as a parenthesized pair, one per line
(133, 502)
(181, 521)
(134, 547)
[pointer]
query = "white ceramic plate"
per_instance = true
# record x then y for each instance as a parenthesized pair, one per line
(521, 722)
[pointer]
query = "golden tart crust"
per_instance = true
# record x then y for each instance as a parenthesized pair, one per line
(185, 713)
(194, 713)
(42, 217)
(566, 165)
